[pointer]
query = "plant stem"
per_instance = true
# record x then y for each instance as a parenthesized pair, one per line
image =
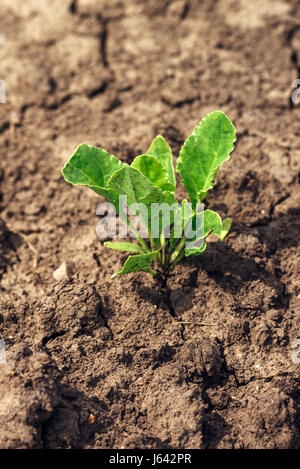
(178, 249)
(163, 246)
(152, 242)
(142, 243)
(178, 259)
(138, 237)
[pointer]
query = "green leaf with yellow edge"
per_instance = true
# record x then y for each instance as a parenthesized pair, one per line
(139, 190)
(152, 170)
(162, 151)
(123, 246)
(132, 183)
(92, 167)
(226, 225)
(138, 263)
(194, 250)
(208, 222)
(203, 152)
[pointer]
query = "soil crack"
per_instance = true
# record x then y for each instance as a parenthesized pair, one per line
(103, 37)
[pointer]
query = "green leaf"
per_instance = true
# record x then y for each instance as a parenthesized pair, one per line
(153, 170)
(203, 152)
(205, 222)
(208, 222)
(128, 247)
(140, 262)
(162, 151)
(138, 189)
(195, 251)
(91, 166)
(181, 217)
(131, 182)
(212, 223)
(226, 225)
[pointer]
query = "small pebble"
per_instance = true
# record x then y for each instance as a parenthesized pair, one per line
(64, 271)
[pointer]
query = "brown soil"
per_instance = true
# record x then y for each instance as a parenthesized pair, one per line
(100, 363)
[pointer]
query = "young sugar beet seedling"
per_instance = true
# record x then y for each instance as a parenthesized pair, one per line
(174, 231)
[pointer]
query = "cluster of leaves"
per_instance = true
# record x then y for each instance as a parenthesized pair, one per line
(151, 179)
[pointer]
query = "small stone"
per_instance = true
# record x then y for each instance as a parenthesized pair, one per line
(91, 419)
(64, 271)
(15, 118)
